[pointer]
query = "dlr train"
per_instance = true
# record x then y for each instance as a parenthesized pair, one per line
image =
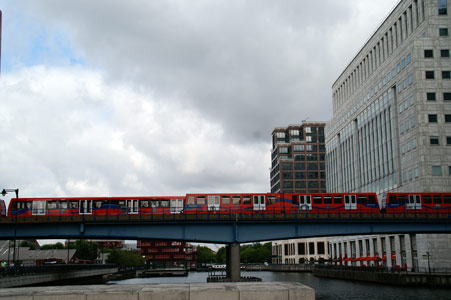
(227, 203)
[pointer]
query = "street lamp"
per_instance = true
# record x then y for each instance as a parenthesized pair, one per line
(16, 191)
(428, 255)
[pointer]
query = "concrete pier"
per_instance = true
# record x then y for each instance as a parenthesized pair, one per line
(186, 291)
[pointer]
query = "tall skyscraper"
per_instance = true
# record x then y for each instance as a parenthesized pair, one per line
(298, 159)
(391, 124)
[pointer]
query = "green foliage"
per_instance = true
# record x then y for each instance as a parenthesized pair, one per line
(28, 244)
(125, 258)
(52, 246)
(85, 250)
(221, 256)
(256, 253)
(205, 255)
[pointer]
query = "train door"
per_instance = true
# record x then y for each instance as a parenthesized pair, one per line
(38, 208)
(213, 202)
(414, 202)
(85, 207)
(132, 206)
(176, 206)
(305, 202)
(350, 202)
(259, 202)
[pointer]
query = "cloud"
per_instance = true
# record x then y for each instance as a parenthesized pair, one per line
(248, 65)
(68, 132)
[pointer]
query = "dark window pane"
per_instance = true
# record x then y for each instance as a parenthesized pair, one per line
(443, 31)
(430, 96)
(430, 75)
(444, 53)
(447, 96)
(428, 53)
(446, 74)
(432, 118)
(447, 118)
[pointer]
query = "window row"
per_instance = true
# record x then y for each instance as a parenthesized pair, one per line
(432, 96)
(410, 145)
(433, 118)
(401, 29)
(410, 175)
(304, 175)
(435, 140)
(403, 84)
(429, 53)
(406, 125)
(404, 105)
(437, 170)
(431, 74)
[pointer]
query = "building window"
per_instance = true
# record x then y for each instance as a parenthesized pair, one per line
(448, 140)
(321, 248)
(283, 150)
(404, 63)
(428, 53)
(409, 58)
(448, 118)
(311, 248)
(430, 75)
(398, 68)
(443, 31)
(301, 248)
(436, 170)
(449, 170)
(447, 96)
(442, 8)
(430, 96)
(432, 118)
(415, 171)
(446, 74)
(444, 53)
(412, 122)
(434, 140)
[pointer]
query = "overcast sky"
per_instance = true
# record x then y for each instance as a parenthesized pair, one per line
(110, 98)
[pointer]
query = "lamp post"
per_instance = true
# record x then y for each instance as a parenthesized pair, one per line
(16, 191)
(428, 255)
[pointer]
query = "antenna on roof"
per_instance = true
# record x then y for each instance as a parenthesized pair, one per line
(305, 120)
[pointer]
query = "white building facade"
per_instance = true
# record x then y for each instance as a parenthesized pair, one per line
(298, 251)
(391, 124)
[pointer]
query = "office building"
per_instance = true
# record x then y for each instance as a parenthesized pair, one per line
(298, 159)
(391, 123)
(300, 251)
(166, 254)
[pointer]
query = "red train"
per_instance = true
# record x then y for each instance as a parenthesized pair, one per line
(234, 203)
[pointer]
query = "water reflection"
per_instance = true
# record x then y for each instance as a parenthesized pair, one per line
(325, 288)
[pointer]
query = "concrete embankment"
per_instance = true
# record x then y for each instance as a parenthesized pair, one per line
(187, 291)
(279, 268)
(402, 279)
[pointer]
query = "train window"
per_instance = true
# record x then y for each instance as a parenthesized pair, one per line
(427, 199)
(317, 200)
(191, 200)
(327, 199)
(392, 199)
(154, 203)
(73, 204)
(122, 203)
(361, 199)
(52, 204)
(447, 199)
(28, 205)
(164, 203)
(143, 203)
(201, 200)
(271, 200)
(402, 199)
(437, 199)
(372, 199)
(236, 200)
(226, 200)
(246, 200)
(97, 204)
(338, 200)
(63, 204)
(294, 199)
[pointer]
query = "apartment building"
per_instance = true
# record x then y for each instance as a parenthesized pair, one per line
(298, 159)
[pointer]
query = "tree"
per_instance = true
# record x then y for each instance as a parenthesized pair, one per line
(52, 246)
(205, 255)
(125, 258)
(28, 244)
(221, 255)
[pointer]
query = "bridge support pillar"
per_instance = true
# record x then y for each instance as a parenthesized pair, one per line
(233, 262)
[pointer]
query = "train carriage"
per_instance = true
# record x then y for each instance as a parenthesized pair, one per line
(2, 208)
(417, 202)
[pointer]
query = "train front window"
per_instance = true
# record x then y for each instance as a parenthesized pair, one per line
(361, 199)
(402, 199)
(392, 199)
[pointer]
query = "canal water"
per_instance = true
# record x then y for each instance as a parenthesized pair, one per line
(325, 288)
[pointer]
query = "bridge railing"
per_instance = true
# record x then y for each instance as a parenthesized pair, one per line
(60, 268)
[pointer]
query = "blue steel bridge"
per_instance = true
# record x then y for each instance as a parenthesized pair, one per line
(224, 228)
